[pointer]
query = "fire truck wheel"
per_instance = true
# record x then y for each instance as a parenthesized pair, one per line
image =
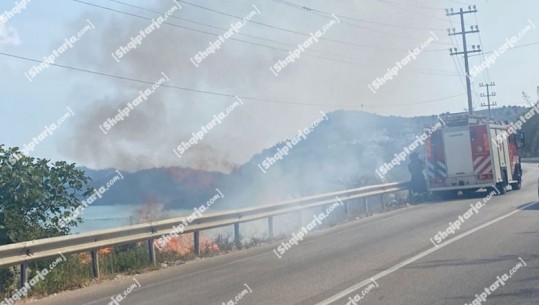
(516, 186)
(500, 187)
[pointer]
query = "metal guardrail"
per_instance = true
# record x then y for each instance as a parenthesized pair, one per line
(25, 252)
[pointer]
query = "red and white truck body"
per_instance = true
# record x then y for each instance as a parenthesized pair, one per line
(470, 153)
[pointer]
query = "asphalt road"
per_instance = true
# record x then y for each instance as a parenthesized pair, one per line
(389, 257)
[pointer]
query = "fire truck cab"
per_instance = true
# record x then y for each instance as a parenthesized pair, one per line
(470, 153)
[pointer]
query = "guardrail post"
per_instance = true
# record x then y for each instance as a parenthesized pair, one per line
(95, 264)
(196, 241)
(151, 252)
(346, 209)
(366, 205)
(382, 202)
(237, 237)
(24, 275)
(270, 227)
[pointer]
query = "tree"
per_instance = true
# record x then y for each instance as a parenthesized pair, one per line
(35, 194)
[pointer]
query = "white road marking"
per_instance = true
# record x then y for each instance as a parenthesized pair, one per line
(406, 262)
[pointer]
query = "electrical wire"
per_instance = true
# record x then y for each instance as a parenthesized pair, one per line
(285, 29)
(235, 39)
(214, 93)
(338, 60)
(355, 18)
(329, 15)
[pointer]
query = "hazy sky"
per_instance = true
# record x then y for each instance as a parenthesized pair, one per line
(331, 74)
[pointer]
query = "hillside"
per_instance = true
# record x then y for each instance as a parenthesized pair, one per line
(342, 152)
(530, 130)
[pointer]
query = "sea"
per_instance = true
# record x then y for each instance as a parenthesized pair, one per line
(100, 217)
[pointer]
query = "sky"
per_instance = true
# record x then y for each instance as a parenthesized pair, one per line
(356, 43)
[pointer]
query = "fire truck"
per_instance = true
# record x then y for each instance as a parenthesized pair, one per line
(470, 153)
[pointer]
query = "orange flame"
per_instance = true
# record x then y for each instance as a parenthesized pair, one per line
(85, 258)
(184, 244)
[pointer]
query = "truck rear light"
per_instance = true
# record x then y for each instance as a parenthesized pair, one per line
(485, 177)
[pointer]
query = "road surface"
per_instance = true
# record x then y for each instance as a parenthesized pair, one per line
(385, 259)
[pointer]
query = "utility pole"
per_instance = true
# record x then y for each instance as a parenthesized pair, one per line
(488, 95)
(475, 49)
(526, 97)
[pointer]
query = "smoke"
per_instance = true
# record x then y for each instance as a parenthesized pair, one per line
(147, 137)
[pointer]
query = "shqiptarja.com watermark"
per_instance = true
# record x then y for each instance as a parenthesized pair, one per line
(27, 287)
(117, 299)
(516, 126)
(123, 113)
(216, 45)
(51, 59)
(283, 151)
(399, 65)
(17, 9)
(360, 296)
(97, 194)
(297, 237)
(136, 41)
(401, 157)
(302, 47)
(509, 43)
(500, 281)
(239, 296)
(201, 133)
(47, 132)
(197, 213)
(455, 226)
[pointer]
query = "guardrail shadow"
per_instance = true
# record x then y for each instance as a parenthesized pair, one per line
(527, 207)
(480, 194)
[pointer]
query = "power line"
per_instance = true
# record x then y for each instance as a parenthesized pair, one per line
(212, 26)
(235, 39)
(339, 60)
(204, 32)
(354, 18)
(456, 60)
(326, 14)
(329, 15)
(267, 100)
(465, 52)
(174, 25)
(515, 47)
(486, 74)
(457, 65)
(204, 24)
(281, 28)
(460, 69)
(268, 25)
(223, 29)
